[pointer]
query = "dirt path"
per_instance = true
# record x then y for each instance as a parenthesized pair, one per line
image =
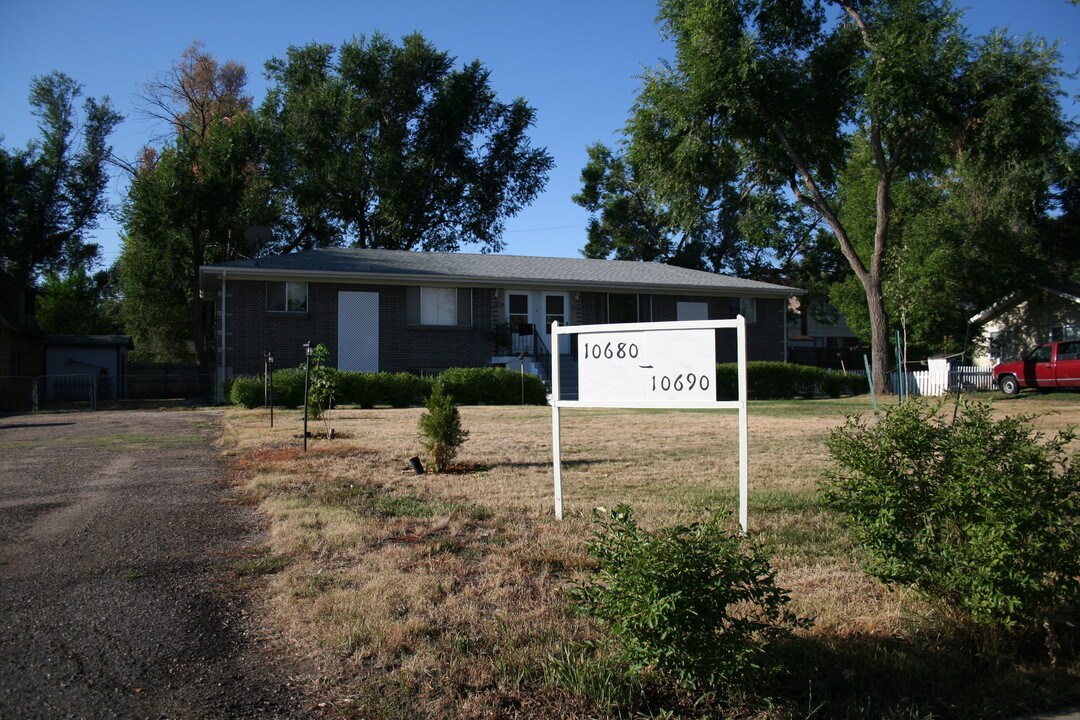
(118, 590)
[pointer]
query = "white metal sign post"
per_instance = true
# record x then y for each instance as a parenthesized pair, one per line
(649, 365)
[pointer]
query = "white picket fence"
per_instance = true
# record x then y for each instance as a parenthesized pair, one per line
(963, 378)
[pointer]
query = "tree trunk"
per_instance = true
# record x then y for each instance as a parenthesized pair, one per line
(879, 340)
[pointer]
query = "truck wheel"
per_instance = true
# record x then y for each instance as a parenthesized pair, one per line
(1009, 385)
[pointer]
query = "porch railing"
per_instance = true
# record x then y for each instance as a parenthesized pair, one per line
(521, 339)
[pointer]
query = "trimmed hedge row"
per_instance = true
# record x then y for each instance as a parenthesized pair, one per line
(501, 386)
(778, 381)
(468, 386)
(492, 386)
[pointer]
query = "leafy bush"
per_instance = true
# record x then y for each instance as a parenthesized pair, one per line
(441, 429)
(367, 390)
(492, 386)
(693, 602)
(403, 389)
(355, 388)
(977, 514)
(834, 384)
(778, 380)
(289, 387)
(247, 392)
(226, 390)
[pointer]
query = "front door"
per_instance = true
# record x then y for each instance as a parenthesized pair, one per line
(519, 318)
(556, 308)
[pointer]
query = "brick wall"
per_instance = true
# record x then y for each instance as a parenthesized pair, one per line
(251, 330)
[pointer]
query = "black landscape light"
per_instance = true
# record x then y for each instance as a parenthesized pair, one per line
(270, 383)
(307, 376)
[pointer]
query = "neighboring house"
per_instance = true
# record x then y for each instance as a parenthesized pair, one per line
(423, 312)
(1025, 319)
(72, 362)
(819, 335)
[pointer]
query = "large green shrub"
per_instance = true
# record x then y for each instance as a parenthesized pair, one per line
(367, 390)
(441, 430)
(403, 389)
(978, 514)
(694, 602)
(246, 392)
(493, 386)
(289, 387)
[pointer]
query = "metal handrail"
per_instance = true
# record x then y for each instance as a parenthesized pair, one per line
(538, 342)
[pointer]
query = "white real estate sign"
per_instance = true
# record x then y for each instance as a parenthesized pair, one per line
(650, 365)
(673, 367)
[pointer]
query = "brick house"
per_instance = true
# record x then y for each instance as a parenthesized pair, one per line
(422, 312)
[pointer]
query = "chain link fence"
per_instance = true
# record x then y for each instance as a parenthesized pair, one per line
(89, 392)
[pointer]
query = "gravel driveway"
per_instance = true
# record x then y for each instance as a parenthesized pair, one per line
(119, 595)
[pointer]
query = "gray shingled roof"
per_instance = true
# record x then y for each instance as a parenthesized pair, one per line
(398, 266)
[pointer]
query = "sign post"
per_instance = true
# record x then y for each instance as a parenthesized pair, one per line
(669, 365)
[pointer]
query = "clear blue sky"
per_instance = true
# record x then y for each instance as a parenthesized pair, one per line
(577, 62)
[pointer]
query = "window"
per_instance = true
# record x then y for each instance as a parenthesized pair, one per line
(286, 297)
(518, 313)
(554, 310)
(1069, 350)
(748, 309)
(1039, 354)
(625, 308)
(438, 306)
(691, 311)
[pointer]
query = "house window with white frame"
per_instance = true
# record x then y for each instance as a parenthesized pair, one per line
(287, 297)
(438, 306)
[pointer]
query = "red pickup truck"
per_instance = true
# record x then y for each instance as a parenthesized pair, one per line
(1049, 366)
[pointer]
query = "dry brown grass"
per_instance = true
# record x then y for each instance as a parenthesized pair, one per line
(443, 595)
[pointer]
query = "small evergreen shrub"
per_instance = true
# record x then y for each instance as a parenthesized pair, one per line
(440, 428)
(693, 602)
(978, 514)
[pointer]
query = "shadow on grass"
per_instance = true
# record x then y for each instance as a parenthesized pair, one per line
(863, 677)
(942, 676)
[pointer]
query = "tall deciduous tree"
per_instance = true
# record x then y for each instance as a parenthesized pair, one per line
(52, 192)
(391, 146)
(843, 106)
(78, 303)
(189, 204)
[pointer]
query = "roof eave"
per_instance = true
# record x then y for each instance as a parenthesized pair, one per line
(208, 274)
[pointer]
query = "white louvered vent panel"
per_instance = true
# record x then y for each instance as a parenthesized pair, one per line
(358, 331)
